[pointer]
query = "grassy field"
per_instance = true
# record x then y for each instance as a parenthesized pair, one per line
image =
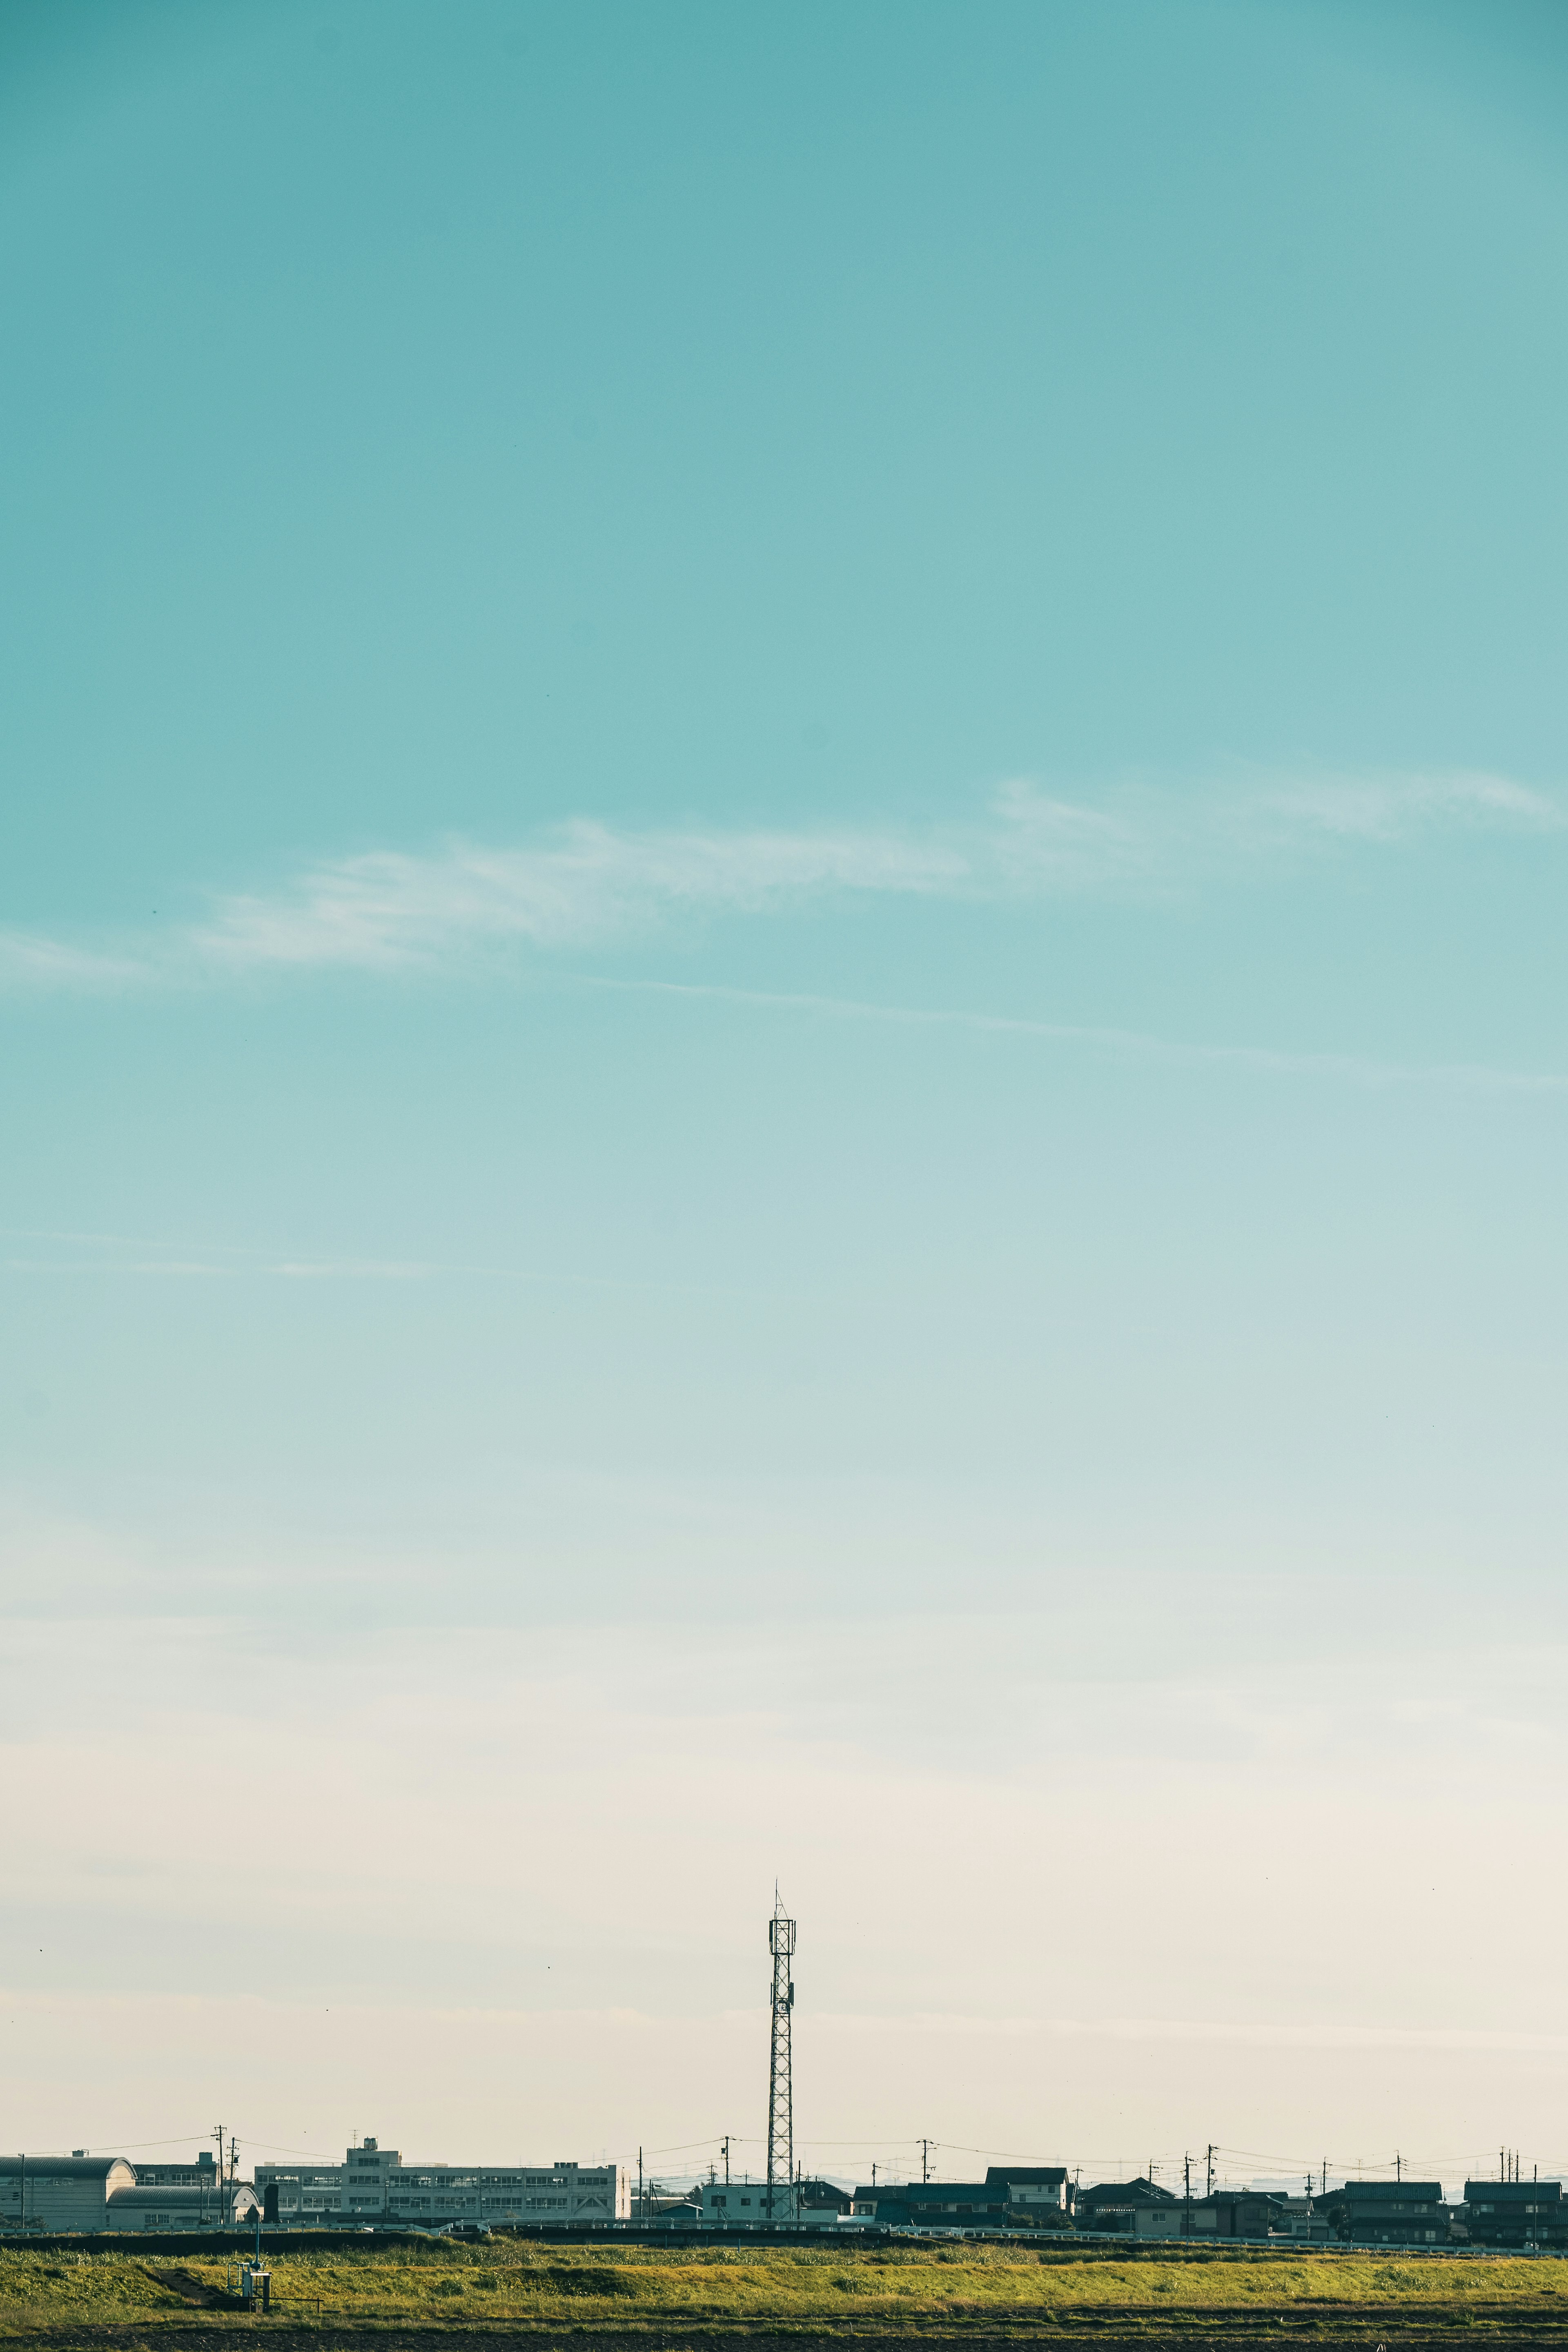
(507, 2288)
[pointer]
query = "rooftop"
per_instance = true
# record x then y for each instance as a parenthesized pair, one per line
(1392, 2193)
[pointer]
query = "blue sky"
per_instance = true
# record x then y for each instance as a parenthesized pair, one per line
(781, 995)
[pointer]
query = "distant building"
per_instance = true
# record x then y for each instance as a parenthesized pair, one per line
(1516, 2213)
(1237, 2213)
(309, 2196)
(145, 2205)
(1036, 2192)
(666, 2204)
(822, 2204)
(54, 2193)
(737, 2204)
(202, 2173)
(743, 2204)
(1388, 2214)
(373, 2184)
(930, 2205)
(1011, 2197)
(178, 2197)
(1136, 2208)
(1300, 2217)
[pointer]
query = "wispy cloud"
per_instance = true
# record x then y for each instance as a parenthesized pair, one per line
(583, 884)
(1394, 808)
(117, 1256)
(586, 884)
(30, 961)
(107, 1254)
(1133, 1044)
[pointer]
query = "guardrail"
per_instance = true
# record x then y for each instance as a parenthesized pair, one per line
(277, 2239)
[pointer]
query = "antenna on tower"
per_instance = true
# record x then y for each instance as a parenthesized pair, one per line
(781, 2097)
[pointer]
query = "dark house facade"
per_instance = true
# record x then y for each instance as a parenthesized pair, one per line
(1516, 2213)
(1011, 2197)
(1133, 2209)
(1388, 2214)
(1235, 2213)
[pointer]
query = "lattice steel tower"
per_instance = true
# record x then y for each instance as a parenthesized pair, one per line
(780, 2098)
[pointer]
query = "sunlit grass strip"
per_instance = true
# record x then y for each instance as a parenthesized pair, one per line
(627, 2289)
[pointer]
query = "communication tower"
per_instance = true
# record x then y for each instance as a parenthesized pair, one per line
(780, 2098)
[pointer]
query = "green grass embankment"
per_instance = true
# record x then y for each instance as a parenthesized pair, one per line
(507, 2288)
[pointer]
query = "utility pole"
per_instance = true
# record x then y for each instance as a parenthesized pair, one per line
(1397, 2175)
(1187, 2188)
(925, 2161)
(726, 2160)
(781, 2094)
(642, 2210)
(1211, 2172)
(217, 2135)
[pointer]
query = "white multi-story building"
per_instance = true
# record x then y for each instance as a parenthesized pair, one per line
(202, 2173)
(373, 2184)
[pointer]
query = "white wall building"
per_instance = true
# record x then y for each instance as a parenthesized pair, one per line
(744, 2205)
(60, 2192)
(152, 2205)
(373, 2184)
(202, 2173)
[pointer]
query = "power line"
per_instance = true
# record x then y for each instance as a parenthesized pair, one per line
(181, 2139)
(890, 2140)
